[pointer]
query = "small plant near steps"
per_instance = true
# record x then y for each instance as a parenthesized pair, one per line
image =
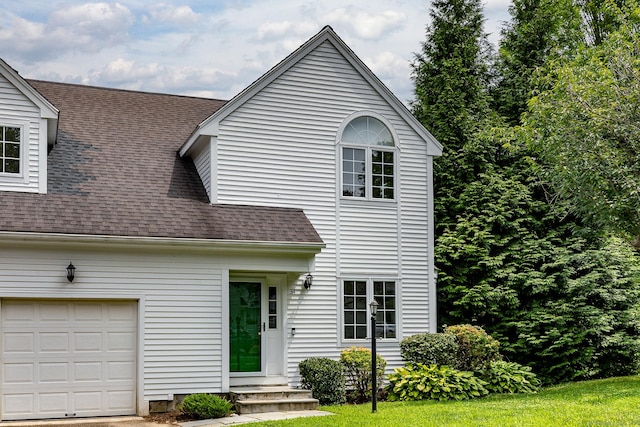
(259, 399)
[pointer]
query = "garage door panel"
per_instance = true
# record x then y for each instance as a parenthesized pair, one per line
(88, 312)
(53, 312)
(87, 371)
(118, 400)
(122, 313)
(55, 342)
(18, 342)
(53, 404)
(87, 341)
(53, 372)
(120, 370)
(88, 401)
(18, 312)
(121, 341)
(19, 405)
(18, 373)
(79, 362)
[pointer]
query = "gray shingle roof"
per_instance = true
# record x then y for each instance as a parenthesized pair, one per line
(115, 171)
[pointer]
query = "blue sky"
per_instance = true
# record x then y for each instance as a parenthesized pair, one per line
(211, 48)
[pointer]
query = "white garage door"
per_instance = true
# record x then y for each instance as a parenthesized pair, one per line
(63, 359)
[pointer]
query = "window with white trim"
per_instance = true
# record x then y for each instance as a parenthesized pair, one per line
(357, 294)
(368, 159)
(10, 149)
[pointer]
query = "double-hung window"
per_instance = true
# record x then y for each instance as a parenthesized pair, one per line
(357, 294)
(368, 160)
(10, 150)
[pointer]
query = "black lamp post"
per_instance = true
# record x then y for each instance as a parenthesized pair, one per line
(374, 366)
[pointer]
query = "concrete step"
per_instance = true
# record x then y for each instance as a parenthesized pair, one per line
(255, 400)
(275, 405)
(268, 393)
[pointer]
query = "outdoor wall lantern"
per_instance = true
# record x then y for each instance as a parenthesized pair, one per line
(374, 366)
(308, 281)
(71, 272)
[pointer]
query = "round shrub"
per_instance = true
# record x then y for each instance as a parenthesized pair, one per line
(476, 348)
(357, 367)
(421, 382)
(203, 406)
(430, 349)
(509, 377)
(325, 378)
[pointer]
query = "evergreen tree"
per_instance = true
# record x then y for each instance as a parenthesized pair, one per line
(451, 73)
(539, 283)
(539, 30)
(451, 79)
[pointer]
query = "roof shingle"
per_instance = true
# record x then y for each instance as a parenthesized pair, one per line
(115, 171)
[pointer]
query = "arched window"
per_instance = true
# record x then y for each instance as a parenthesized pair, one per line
(368, 159)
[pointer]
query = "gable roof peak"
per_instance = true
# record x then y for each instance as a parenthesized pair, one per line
(209, 127)
(47, 109)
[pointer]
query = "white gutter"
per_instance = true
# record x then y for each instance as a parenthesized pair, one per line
(214, 245)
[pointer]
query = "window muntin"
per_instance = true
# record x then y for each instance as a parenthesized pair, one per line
(382, 174)
(273, 307)
(10, 149)
(356, 297)
(353, 172)
(368, 166)
(384, 292)
(366, 130)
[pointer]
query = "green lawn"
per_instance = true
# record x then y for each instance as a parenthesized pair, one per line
(610, 402)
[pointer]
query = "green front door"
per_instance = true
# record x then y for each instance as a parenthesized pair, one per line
(245, 326)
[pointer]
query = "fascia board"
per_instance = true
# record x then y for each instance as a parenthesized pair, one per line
(434, 147)
(207, 245)
(47, 110)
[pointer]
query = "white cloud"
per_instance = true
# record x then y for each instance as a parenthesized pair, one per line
(92, 18)
(203, 47)
(388, 64)
(88, 27)
(369, 26)
(156, 77)
(165, 13)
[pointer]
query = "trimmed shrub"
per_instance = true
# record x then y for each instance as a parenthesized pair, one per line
(357, 365)
(476, 348)
(421, 382)
(203, 406)
(509, 377)
(325, 378)
(430, 349)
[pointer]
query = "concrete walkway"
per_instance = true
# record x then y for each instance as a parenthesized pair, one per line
(252, 418)
(141, 422)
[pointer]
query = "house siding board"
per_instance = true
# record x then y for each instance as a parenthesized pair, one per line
(202, 162)
(182, 299)
(415, 237)
(368, 240)
(16, 108)
(286, 138)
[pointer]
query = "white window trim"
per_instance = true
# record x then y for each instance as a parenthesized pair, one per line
(368, 191)
(373, 114)
(369, 280)
(23, 176)
(395, 149)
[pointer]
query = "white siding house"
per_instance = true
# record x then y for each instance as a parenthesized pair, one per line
(193, 225)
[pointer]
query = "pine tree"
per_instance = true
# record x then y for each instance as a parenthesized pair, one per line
(451, 73)
(539, 30)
